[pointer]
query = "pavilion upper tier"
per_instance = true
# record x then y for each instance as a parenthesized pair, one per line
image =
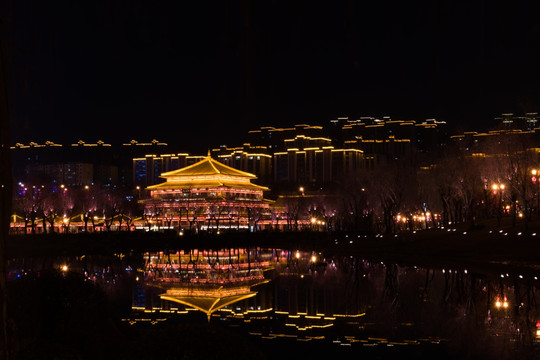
(207, 173)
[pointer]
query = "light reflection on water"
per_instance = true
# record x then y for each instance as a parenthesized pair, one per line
(306, 297)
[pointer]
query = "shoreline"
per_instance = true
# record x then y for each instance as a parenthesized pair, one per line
(495, 249)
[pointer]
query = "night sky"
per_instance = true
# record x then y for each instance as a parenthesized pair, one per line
(203, 73)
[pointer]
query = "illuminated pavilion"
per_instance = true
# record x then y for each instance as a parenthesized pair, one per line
(206, 195)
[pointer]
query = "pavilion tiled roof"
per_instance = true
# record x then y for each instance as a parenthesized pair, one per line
(207, 173)
(205, 167)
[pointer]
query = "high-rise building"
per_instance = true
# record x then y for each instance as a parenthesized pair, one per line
(252, 159)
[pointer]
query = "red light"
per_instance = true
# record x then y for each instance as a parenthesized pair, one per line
(538, 324)
(533, 179)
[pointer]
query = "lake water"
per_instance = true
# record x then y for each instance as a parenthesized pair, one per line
(275, 300)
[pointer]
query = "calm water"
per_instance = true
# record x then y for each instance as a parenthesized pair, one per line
(277, 298)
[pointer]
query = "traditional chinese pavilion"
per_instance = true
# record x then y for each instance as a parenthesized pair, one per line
(206, 195)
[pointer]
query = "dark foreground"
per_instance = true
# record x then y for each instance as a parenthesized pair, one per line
(56, 315)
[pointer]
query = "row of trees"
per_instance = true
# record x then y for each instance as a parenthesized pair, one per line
(57, 205)
(459, 187)
(499, 180)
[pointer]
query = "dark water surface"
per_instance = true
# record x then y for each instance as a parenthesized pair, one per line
(266, 303)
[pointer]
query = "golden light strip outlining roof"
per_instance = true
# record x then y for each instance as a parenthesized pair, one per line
(239, 153)
(352, 150)
(208, 305)
(207, 184)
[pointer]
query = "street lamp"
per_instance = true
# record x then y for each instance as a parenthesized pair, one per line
(535, 181)
(498, 188)
(504, 303)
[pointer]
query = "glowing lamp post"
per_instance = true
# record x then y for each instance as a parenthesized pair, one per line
(503, 303)
(535, 173)
(498, 188)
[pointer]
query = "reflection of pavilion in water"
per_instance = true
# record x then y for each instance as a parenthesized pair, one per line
(354, 301)
(206, 280)
(219, 283)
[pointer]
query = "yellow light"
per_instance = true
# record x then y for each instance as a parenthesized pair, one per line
(533, 171)
(301, 189)
(64, 268)
(502, 186)
(313, 258)
(495, 187)
(297, 255)
(313, 220)
(498, 303)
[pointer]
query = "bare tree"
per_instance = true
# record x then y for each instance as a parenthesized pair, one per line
(26, 205)
(293, 206)
(390, 183)
(50, 206)
(110, 203)
(520, 164)
(354, 207)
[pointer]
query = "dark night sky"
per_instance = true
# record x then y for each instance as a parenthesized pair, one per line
(203, 73)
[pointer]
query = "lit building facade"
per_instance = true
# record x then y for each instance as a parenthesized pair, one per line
(509, 121)
(316, 165)
(252, 159)
(147, 170)
(207, 195)
(389, 140)
(70, 174)
(111, 164)
(274, 138)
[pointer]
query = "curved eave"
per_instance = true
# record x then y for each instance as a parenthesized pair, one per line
(172, 185)
(208, 304)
